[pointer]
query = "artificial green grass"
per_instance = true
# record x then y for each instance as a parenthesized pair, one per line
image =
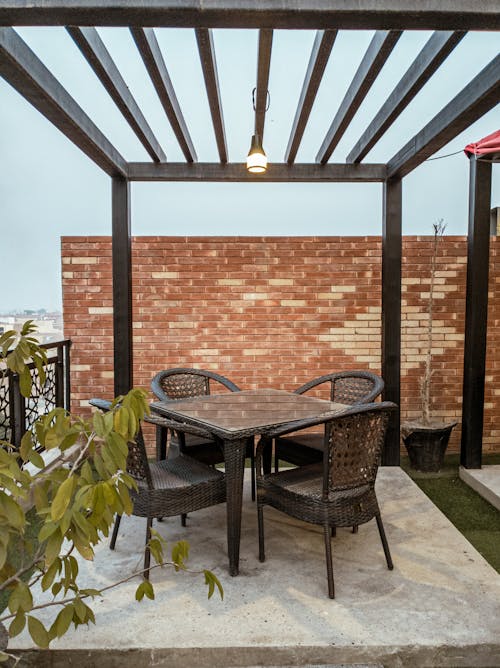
(473, 516)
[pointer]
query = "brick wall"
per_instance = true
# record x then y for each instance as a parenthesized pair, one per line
(273, 311)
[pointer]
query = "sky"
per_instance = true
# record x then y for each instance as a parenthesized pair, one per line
(49, 188)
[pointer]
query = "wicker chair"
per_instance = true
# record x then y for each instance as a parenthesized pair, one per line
(345, 387)
(176, 384)
(339, 491)
(170, 487)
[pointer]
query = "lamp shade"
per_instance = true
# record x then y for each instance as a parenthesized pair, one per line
(256, 159)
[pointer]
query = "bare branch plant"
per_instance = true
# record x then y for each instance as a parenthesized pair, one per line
(425, 384)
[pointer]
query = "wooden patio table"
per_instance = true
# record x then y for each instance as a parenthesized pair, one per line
(232, 419)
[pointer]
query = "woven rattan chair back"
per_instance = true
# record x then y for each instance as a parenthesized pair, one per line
(175, 384)
(348, 387)
(137, 459)
(354, 445)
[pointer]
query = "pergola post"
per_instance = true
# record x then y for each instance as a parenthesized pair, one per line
(476, 313)
(391, 312)
(122, 285)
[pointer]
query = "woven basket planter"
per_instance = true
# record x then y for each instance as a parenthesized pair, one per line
(426, 445)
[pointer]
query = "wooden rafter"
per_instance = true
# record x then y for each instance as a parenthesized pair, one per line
(435, 51)
(236, 172)
(151, 55)
(261, 91)
(320, 54)
(308, 14)
(98, 57)
(28, 75)
(374, 59)
(473, 101)
(209, 66)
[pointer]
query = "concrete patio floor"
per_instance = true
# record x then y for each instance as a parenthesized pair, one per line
(440, 606)
(485, 481)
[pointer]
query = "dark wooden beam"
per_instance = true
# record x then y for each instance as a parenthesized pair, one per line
(278, 14)
(478, 97)
(151, 55)
(25, 72)
(391, 313)
(209, 66)
(98, 57)
(122, 286)
(320, 54)
(374, 59)
(476, 313)
(237, 172)
(435, 51)
(262, 88)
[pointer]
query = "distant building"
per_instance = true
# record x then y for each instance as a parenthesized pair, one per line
(49, 325)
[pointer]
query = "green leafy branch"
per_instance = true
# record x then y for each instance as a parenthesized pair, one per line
(75, 503)
(74, 610)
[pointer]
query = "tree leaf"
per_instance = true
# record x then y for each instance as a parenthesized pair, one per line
(144, 589)
(21, 598)
(17, 624)
(139, 592)
(3, 555)
(36, 459)
(40, 497)
(180, 553)
(12, 511)
(86, 473)
(26, 445)
(50, 574)
(38, 632)
(25, 382)
(85, 550)
(80, 609)
(62, 499)
(63, 620)
(53, 547)
(213, 581)
(46, 531)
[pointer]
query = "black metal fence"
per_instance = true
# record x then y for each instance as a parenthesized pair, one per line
(18, 414)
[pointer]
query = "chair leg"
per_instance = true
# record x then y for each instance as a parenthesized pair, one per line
(147, 551)
(252, 464)
(329, 565)
(267, 455)
(276, 464)
(334, 532)
(355, 528)
(385, 544)
(260, 519)
(114, 535)
(183, 519)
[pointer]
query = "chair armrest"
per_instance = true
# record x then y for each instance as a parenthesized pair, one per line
(102, 404)
(175, 426)
(105, 405)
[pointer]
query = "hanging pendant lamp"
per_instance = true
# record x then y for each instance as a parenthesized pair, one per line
(256, 159)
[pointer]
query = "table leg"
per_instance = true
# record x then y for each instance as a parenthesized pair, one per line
(161, 442)
(234, 462)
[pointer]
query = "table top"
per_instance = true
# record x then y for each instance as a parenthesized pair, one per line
(245, 413)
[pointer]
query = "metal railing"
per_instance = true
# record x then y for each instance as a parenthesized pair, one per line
(18, 414)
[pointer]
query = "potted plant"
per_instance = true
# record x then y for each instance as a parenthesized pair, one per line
(426, 439)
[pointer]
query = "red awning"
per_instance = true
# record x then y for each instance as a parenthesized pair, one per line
(487, 148)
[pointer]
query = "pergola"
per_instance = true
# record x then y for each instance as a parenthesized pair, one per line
(450, 19)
